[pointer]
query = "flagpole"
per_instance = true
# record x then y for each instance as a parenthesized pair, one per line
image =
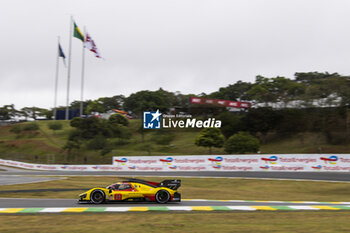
(69, 65)
(56, 79)
(82, 76)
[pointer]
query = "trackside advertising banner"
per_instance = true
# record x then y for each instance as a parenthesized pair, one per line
(277, 162)
(273, 162)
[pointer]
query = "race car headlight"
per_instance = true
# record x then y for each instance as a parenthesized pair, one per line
(82, 196)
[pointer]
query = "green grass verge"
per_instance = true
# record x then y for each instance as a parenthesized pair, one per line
(180, 222)
(204, 188)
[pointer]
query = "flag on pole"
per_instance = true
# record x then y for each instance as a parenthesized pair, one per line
(90, 45)
(61, 54)
(77, 33)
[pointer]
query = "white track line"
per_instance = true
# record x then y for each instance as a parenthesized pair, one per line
(53, 210)
(248, 208)
(117, 209)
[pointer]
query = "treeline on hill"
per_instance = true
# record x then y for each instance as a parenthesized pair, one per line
(310, 102)
(269, 124)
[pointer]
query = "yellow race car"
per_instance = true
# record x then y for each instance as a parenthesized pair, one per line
(134, 190)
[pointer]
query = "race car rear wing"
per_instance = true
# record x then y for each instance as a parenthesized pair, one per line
(171, 184)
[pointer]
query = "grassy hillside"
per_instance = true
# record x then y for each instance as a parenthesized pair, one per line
(45, 146)
(41, 145)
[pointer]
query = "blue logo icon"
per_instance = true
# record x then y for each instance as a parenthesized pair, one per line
(151, 120)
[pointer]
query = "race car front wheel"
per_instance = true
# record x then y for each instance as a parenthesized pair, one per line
(97, 196)
(162, 196)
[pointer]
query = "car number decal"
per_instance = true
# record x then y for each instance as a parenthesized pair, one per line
(117, 196)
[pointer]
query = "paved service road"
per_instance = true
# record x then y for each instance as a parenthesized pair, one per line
(326, 176)
(43, 203)
(5, 180)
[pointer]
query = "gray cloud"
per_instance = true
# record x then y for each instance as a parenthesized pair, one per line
(189, 46)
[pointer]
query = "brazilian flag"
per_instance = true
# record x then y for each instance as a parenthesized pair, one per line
(77, 33)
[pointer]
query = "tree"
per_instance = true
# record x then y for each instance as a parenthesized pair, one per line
(7, 112)
(34, 112)
(104, 104)
(90, 127)
(262, 91)
(236, 91)
(55, 125)
(97, 143)
(210, 137)
(47, 113)
(70, 146)
(151, 100)
(286, 90)
(324, 89)
(76, 122)
(310, 78)
(76, 105)
(260, 120)
(31, 127)
(241, 143)
(231, 123)
(17, 129)
(95, 106)
(118, 119)
(115, 102)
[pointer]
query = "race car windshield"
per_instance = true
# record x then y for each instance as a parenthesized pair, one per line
(119, 186)
(113, 186)
(124, 186)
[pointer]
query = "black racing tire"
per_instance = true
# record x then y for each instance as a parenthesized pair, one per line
(97, 196)
(162, 196)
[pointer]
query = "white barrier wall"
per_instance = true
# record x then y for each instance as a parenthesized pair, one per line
(276, 162)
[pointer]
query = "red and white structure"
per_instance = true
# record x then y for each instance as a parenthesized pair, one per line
(225, 103)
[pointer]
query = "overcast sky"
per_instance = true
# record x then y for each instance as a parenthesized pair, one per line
(191, 46)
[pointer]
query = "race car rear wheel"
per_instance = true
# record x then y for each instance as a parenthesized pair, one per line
(97, 196)
(162, 196)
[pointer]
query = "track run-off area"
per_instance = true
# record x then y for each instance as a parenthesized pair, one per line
(44, 205)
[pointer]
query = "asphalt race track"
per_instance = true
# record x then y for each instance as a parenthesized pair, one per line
(4, 180)
(15, 176)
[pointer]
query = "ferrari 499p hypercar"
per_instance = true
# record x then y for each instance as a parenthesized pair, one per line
(134, 190)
